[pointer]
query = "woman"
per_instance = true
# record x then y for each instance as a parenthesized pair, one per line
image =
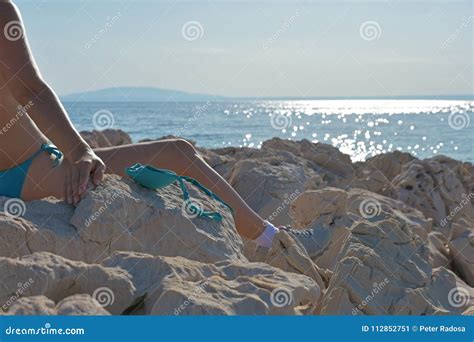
(26, 152)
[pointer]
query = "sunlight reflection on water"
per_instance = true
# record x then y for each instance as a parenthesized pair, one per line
(360, 128)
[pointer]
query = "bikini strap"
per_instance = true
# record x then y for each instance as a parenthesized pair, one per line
(36, 154)
(194, 207)
(206, 191)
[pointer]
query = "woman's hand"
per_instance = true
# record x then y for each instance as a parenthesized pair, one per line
(82, 167)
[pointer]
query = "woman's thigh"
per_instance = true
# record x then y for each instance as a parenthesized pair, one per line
(172, 154)
(44, 180)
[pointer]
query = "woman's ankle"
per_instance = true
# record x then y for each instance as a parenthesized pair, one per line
(265, 239)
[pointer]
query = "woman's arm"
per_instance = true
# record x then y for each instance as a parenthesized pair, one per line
(24, 81)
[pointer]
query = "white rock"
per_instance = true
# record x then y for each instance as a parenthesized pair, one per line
(178, 286)
(461, 246)
(378, 263)
(76, 305)
(120, 215)
(57, 278)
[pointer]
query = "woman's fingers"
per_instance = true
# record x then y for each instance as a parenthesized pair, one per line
(68, 187)
(84, 171)
(78, 176)
(98, 172)
(75, 184)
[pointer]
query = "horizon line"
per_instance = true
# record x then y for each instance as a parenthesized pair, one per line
(467, 97)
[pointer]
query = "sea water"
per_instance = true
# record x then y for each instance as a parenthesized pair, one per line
(359, 128)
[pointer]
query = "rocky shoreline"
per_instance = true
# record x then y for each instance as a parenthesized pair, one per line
(396, 237)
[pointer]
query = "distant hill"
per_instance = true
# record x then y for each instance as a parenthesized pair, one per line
(151, 94)
(137, 94)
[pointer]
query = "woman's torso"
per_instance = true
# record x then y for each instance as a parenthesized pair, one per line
(19, 136)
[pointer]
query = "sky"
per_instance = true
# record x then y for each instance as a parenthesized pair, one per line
(255, 48)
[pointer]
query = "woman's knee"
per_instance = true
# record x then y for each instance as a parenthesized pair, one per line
(179, 148)
(176, 154)
(184, 147)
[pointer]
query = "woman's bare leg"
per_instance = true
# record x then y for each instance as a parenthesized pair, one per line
(178, 155)
(181, 157)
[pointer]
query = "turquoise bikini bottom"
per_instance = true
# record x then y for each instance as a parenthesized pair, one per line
(12, 180)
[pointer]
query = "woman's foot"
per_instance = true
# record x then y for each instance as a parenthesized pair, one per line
(314, 240)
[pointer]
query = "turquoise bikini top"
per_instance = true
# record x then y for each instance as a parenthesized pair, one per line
(153, 178)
